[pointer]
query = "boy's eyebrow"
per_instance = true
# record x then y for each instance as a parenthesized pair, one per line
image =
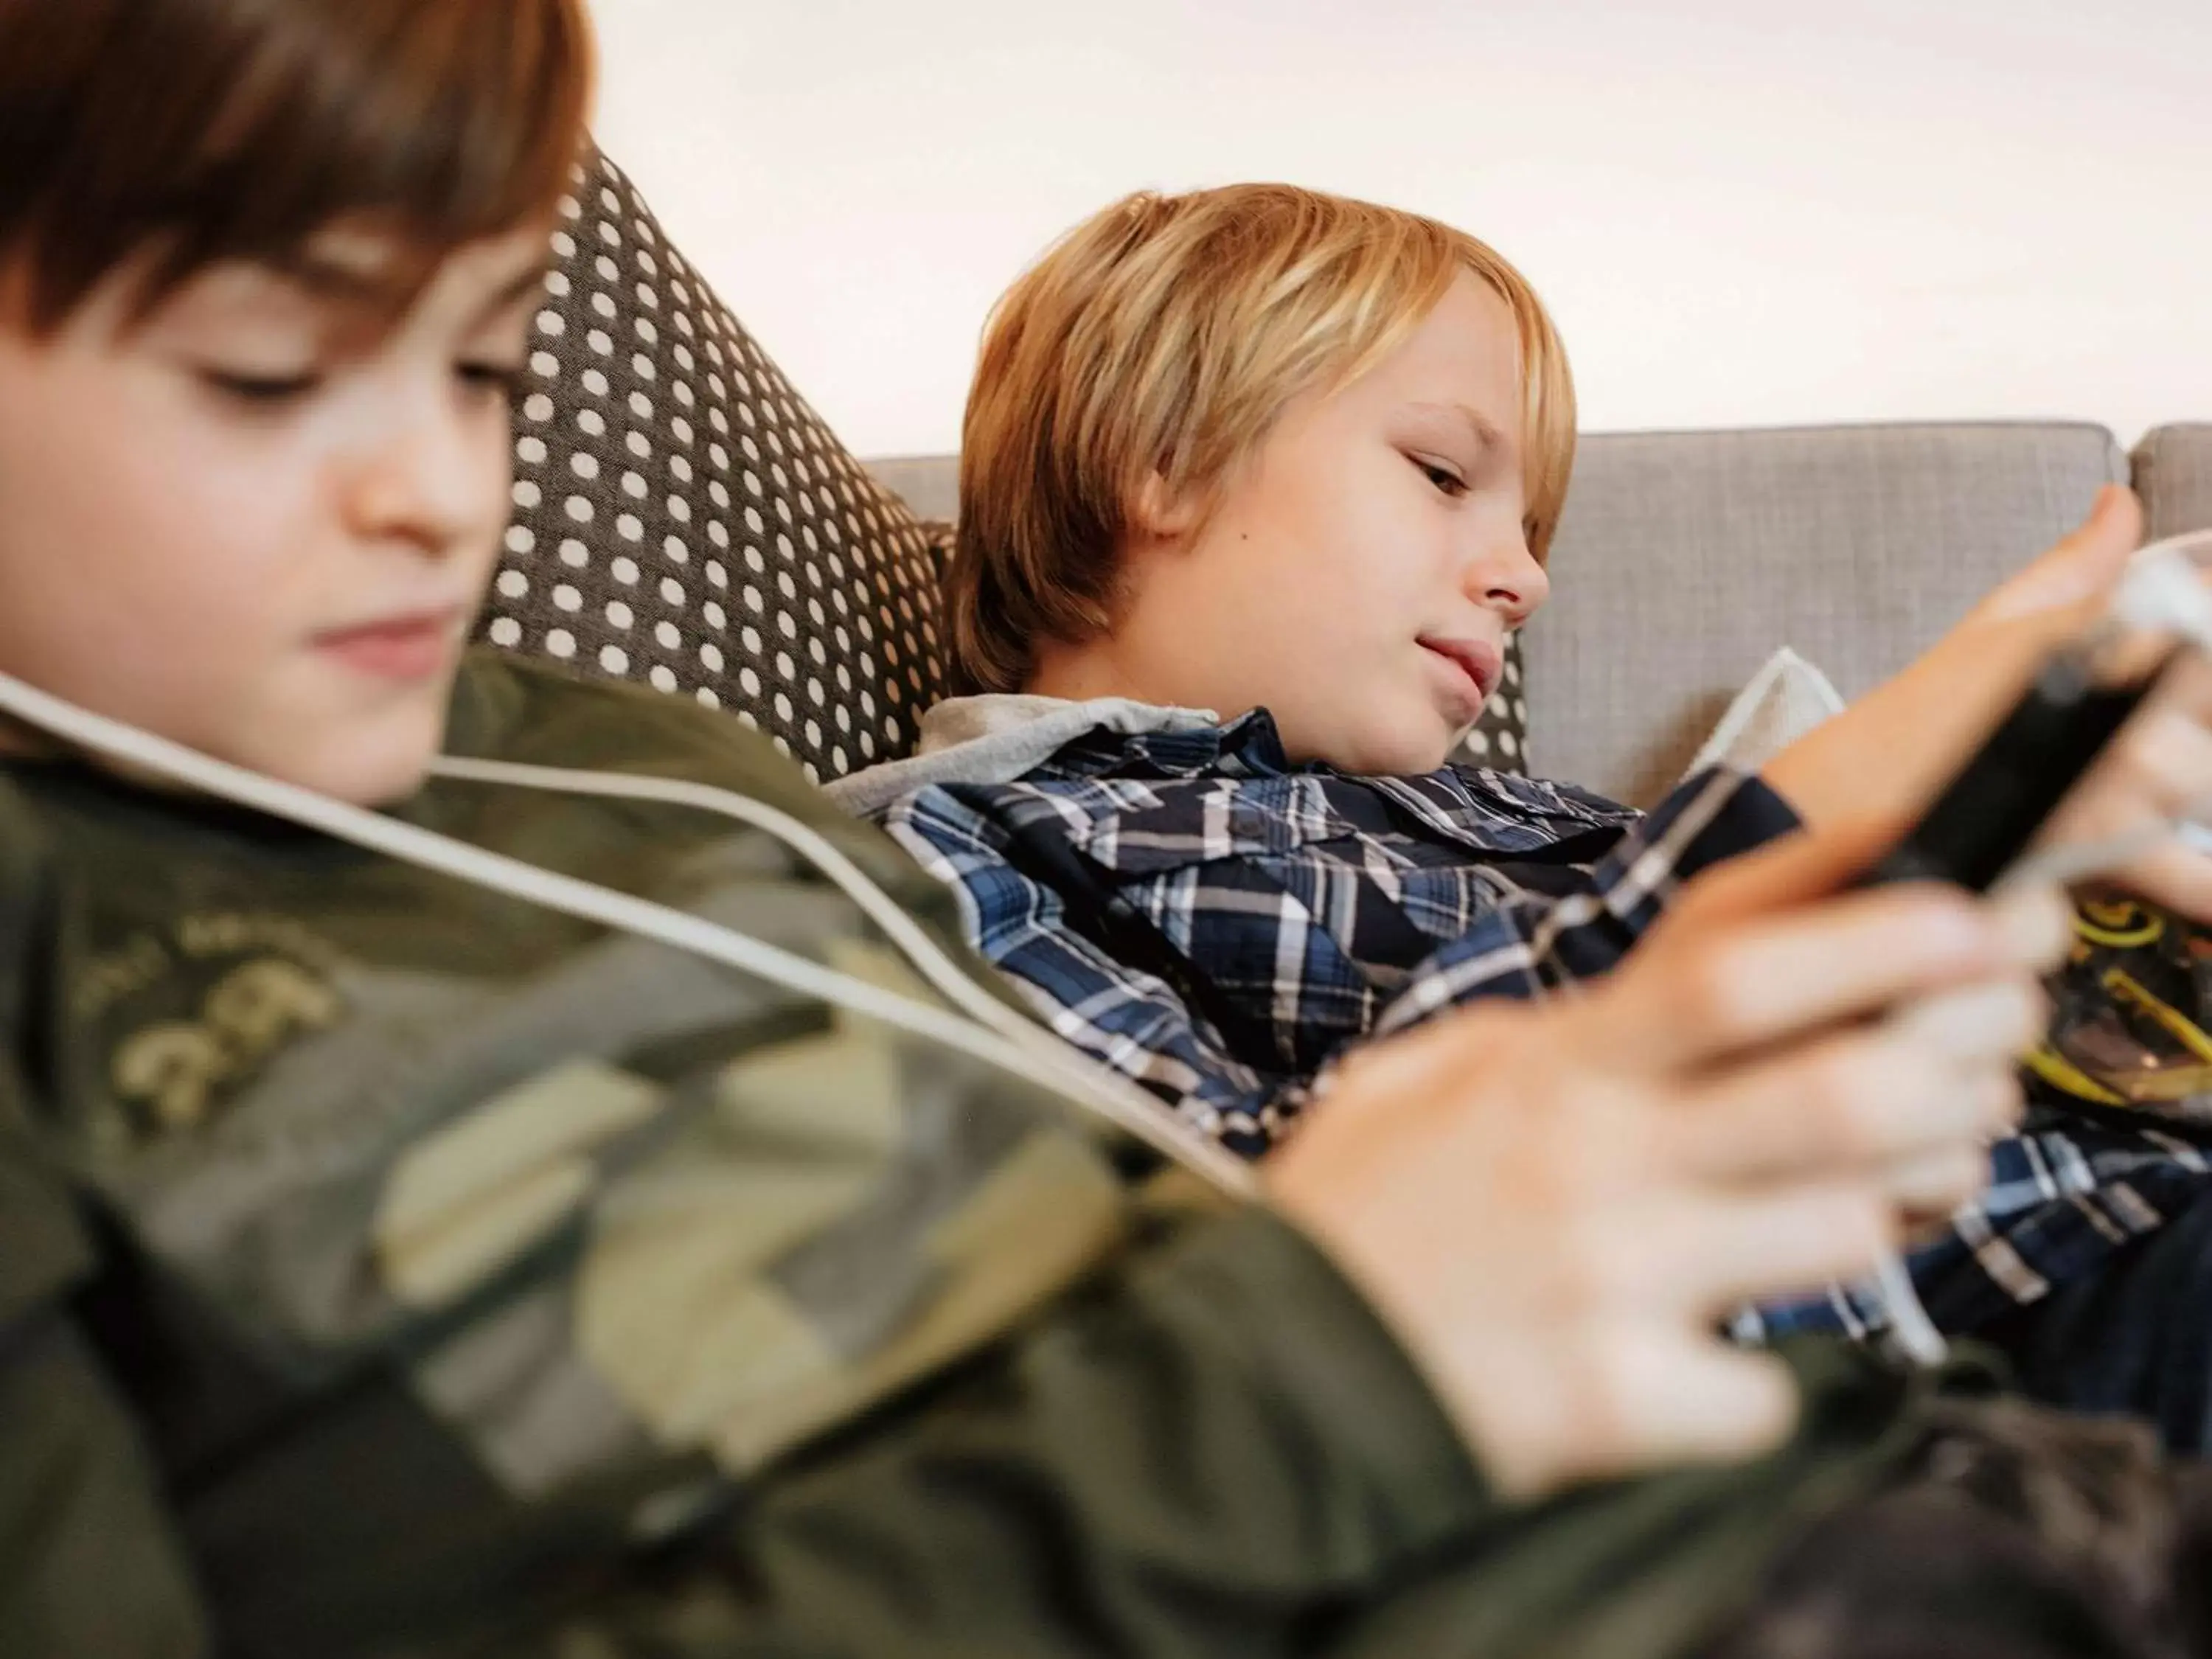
(358, 279)
(526, 283)
(1485, 430)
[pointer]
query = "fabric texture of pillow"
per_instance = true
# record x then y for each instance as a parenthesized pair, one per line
(1787, 698)
(1499, 739)
(684, 520)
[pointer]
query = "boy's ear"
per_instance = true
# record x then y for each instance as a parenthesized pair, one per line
(1160, 512)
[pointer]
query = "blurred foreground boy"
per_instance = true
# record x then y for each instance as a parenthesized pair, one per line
(390, 1265)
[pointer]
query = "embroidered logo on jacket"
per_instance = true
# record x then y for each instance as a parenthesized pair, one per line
(266, 983)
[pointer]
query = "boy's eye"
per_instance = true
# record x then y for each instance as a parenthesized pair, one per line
(500, 377)
(264, 389)
(1441, 477)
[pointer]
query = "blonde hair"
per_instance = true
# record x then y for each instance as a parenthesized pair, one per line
(1165, 335)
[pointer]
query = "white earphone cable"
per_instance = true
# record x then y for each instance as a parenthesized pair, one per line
(913, 941)
(1067, 1066)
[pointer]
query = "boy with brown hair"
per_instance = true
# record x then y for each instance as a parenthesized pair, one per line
(1255, 485)
(438, 1228)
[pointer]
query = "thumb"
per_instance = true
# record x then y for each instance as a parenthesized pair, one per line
(1722, 1406)
(2080, 569)
(1651, 1399)
(1797, 869)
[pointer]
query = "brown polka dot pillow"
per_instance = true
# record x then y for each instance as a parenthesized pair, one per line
(684, 520)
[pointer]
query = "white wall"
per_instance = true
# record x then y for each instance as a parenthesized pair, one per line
(1742, 211)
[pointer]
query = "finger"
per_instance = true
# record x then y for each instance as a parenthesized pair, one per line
(2160, 772)
(1710, 992)
(1810, 865)
(1688, 1400)
(2167, 754)
(1931, 1188)
(2076, 574)
(2037, 919)
(2187, 687)
(2173, 874)
(1629, 1396)
(1981, 1024)
(1819, 864)
(2159, 768)
(1841, 1107)
(1702, 1253)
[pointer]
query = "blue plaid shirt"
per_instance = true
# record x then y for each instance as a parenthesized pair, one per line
(1219, 925)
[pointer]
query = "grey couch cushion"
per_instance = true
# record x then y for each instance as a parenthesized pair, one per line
(2174, 476)
(928, 484)
(1685, 559)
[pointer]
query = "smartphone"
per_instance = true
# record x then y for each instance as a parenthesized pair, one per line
(1985, 819)
(1992, 810)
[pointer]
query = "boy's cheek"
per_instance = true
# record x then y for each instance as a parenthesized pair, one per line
(1403, 736)
(483, 554)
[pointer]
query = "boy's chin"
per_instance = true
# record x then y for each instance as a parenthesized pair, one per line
(377, 761)
(1400, 751)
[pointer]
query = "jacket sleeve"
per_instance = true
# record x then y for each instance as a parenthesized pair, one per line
(1164, 1465)
(1170, 1466)
(88, 1562)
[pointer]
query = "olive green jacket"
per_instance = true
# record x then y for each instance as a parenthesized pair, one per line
(388, 1267)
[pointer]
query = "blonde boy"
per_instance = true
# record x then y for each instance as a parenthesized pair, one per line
(1256, 483)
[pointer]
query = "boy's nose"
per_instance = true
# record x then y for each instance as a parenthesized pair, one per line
(1509, 580)
(423, 484)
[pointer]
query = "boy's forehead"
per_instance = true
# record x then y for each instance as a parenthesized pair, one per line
(381, 274)
(1471, 324)
(1462, 361)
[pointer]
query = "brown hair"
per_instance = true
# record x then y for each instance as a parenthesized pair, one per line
(1166, 334)
(186, 132)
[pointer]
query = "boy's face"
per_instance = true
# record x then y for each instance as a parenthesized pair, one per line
(259, 521)
(1361, 572)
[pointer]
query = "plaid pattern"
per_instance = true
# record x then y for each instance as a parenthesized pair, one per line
(2065, 1196)
(1219, 925)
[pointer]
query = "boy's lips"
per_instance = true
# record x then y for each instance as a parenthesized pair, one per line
(1479, 664)
(414, 647)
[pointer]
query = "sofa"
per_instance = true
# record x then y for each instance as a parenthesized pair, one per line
(685, 520)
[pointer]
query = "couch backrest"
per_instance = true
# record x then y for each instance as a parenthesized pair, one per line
(1685, 559)
(928, 484)
(2173, 474)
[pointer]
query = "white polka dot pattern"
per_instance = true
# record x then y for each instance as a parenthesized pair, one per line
(1500, 738)
(685, 521)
